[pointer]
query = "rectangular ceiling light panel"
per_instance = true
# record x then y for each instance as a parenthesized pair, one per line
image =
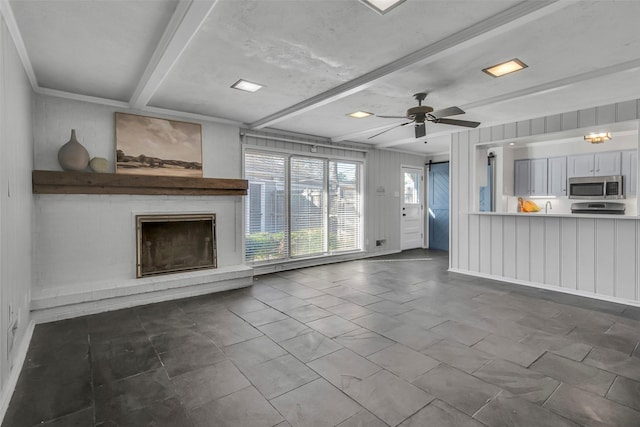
(382, 6)
(505, 68)
(246, 86)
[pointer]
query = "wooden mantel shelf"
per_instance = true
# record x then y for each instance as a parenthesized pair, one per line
(57, 182)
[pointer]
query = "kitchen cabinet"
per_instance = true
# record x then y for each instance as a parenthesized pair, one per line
(557, 176)
(629, 171)
(597, 164)
(522, 170)
(530, 177)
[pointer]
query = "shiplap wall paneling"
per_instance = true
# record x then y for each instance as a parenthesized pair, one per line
(486, 236)
(474, 243)
(627, 110)
(523, 245)
(537, 249)
(537, 126)
(605, 256)
(569, 254)
(464, 154)
(509, 255)
(570, 120)
(510, 131)
(552, 251)
(553, 123)
(626, 264)
(587, 117)
(496, 245)
(606, 114)
(586, 249)
(523, 128)
(454, 202)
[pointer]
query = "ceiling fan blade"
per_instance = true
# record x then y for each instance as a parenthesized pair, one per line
(446, 112)
(392, 117)
(387, 130)
(455, 122)
(421, 130)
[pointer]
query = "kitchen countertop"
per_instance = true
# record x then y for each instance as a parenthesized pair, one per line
(555, 215)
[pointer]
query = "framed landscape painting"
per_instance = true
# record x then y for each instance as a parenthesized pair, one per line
(152, 146)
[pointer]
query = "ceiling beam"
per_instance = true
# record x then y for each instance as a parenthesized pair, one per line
(518, 15)
(12, 26)
(537, 90)
(183, 26)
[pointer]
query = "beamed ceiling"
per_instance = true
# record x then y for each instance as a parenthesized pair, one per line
(320, 60)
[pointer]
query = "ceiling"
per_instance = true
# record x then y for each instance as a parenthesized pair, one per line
(320, 60)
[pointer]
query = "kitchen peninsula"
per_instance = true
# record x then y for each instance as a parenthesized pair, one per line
(593, 255)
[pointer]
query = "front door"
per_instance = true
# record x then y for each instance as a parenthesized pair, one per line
(412, 208)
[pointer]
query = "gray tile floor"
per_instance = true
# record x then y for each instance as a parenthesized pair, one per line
(386, 341)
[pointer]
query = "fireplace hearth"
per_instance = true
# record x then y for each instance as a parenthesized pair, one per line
(175, 243)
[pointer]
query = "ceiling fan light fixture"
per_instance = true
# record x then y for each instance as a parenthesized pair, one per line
(382, 6)
(597, 138)
(505, 68)
(359, 114)
(246, 86)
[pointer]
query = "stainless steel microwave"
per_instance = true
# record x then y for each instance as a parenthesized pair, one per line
(596, 187)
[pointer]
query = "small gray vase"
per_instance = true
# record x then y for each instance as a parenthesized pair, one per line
(72, 156)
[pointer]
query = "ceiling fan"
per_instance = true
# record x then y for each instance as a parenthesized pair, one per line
(423, 113)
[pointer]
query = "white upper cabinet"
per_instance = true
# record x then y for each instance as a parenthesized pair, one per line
(608, 163)
(598, 164)
(522, 173)
(538, 177)
(530, 177)
(580, 165)
(629, 171)
(557, 176)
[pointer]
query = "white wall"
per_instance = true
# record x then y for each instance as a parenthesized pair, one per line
(589, 256)
(383, 208)
(88, 241)
(16, 208)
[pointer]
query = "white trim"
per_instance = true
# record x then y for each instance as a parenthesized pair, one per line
(316, 261)
(547, 287)
(248, 146)
(518, 15)
(422, 202)
(9, 385)
(119, 302)
(183, 26)
(80, 97)
(295, 141)
(12, 26)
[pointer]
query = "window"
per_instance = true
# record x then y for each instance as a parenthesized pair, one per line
(265, 209)
(301, 206)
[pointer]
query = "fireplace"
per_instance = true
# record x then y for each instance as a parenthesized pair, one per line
(174, 243)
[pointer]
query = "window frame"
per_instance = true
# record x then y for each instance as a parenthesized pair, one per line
(327, 158)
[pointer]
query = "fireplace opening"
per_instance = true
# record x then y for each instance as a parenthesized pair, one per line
(173, 243)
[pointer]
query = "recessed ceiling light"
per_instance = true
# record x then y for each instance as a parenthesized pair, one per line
(359, 114)
(512, 144)
(508, 67)
(382, 6)
(246, 86)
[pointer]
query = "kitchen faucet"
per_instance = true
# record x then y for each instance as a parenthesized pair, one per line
(547, 205)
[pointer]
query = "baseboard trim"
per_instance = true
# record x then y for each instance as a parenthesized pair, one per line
(18, 363)
(116, 303)
(548, 287)
(314, 262)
